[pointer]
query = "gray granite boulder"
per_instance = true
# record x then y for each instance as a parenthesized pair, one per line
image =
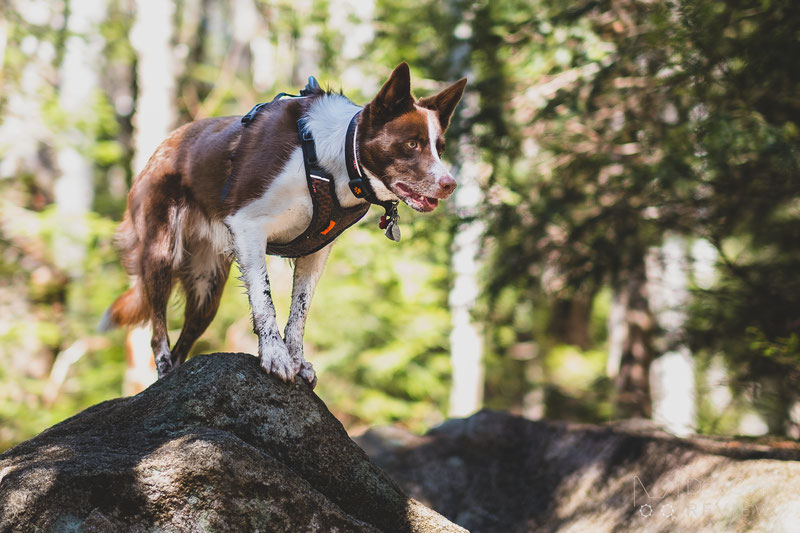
(216, 445)
(498, 473)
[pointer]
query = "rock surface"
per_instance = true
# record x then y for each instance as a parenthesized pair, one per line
(494, 472)
(216, 445)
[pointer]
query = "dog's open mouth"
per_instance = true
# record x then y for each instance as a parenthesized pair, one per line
(417, 201)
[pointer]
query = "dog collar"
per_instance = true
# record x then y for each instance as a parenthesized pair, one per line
(360, 185)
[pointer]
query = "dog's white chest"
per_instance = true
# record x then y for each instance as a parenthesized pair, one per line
(284, 210)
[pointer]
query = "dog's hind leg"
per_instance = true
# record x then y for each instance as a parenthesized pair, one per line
(307, 271)
(203, 279)
(159, 255)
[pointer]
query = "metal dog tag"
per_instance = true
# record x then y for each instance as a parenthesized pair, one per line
(390, 219)
(393, 230)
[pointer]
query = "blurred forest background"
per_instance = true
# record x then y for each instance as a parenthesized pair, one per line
(625, 241)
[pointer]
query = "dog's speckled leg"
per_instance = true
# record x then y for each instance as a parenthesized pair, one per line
(157, 263)
(249, 244)
(307, 271)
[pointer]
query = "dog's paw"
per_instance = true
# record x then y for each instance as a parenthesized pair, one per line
(308, 374)
(275, 359)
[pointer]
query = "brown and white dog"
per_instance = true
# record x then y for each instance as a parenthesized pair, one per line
(178, 226)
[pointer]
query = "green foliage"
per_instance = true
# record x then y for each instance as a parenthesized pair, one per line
(56, 320)
(379, 325)
(647, 119)
(599, 128)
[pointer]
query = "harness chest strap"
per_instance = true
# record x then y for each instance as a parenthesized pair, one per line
(329, 219)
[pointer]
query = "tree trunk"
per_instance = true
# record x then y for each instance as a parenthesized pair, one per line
(78, 84)
(569, 322)
(633, 380)
(151, 37)
(356, 28)
(617, 331)
(672, 373)
(306, 45)
(466, 340)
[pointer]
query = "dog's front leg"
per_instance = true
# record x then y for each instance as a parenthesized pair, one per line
(249, 245)
(307, 271)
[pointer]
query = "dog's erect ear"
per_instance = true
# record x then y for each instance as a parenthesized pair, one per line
(395, 95)
(445, 102)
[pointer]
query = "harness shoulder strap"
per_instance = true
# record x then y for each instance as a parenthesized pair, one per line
(251, 115)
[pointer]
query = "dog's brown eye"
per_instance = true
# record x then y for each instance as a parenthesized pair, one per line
(411, 144)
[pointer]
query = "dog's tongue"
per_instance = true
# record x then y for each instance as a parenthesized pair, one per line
(430, 202)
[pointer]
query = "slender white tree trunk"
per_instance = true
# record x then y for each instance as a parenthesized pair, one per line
(22, 124)
(353, 19)
(151, 38)
(466, 341)
(74, 187)
(307, 48)
(265, 59)
(672, 379)
(3, 42)
(617, 331)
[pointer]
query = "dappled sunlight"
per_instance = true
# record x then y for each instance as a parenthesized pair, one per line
(622, 241)
(598, 330)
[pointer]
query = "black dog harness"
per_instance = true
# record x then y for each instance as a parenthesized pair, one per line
(329, 219)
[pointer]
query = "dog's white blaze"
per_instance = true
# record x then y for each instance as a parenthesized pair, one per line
(438, 169)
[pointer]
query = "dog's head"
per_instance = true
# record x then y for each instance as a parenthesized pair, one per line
(401, 140)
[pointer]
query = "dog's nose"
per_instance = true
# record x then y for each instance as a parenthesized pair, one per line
(447, 184)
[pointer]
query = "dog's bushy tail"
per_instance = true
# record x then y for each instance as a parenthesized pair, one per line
(131, 308)
(127, 310)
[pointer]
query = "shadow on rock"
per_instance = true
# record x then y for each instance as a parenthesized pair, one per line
(498, 473)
